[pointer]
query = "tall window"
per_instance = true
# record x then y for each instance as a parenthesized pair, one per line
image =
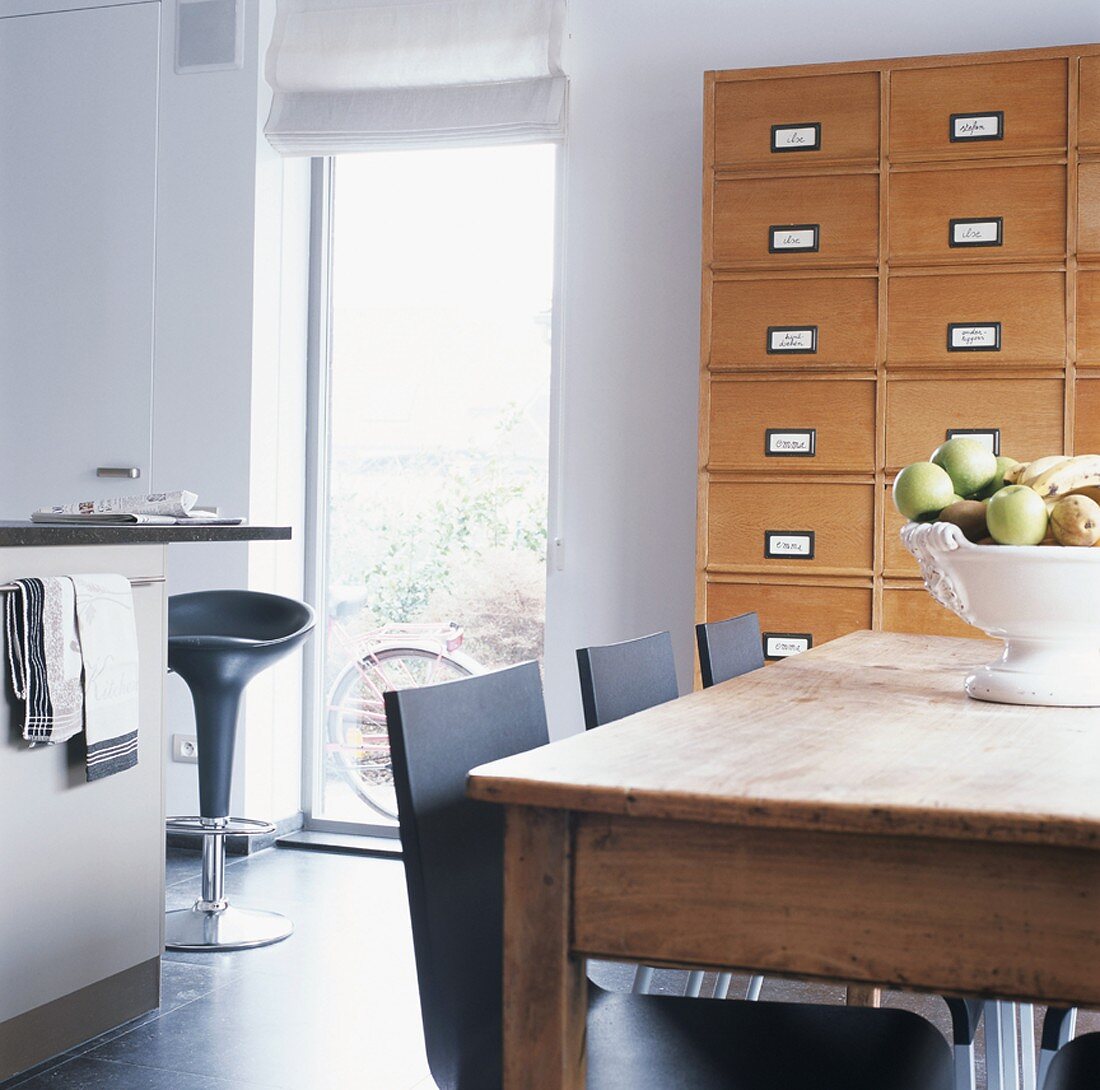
(432, 532)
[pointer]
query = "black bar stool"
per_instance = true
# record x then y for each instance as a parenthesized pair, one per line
(218, 641)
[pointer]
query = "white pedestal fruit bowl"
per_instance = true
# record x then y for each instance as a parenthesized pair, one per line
(1043, 601)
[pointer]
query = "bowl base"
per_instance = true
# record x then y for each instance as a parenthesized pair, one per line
(1009, 681)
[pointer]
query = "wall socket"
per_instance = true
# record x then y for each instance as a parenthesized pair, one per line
(185, 749)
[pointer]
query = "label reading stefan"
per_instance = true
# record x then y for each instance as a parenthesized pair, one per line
(781, 645)
(974, 337)
(795, 340)
(789, 544)
(804, 136)
(987, 231)
(985, 126)
(790, 442)
(988, 437)
(793, 238)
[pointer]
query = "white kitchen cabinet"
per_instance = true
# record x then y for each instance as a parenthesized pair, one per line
(78, 158)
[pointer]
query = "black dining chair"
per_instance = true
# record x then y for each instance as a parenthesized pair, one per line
(728, 649)
(617, 680)
(453, 856)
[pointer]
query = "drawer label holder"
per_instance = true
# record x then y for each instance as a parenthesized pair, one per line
(788, 544)
(793, 238)
(791, 340)
(990, 437)
(976, 231)
(781, 645)
(799, 136)
(974, 337)
(790, 442)
(987, 125)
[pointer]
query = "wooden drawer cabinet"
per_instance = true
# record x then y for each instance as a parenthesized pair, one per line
(1088, 209)
(1088, 316)
(977, 318)
(975, 110)
(1088, 117)
(805, 221)
(802, 527)
(897, 563)
(756, 323)
(932, 209)
(1086, 430)
(793, 425)
(793, 616)
(779, 123)
(1027, 412)
(913, 609)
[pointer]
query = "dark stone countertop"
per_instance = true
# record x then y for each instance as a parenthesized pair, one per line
(37, 533)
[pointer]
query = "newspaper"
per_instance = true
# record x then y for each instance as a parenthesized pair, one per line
(127, 518)
(176, 504)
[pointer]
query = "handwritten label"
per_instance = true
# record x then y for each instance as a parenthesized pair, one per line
(989, 125)
(781, 645)
(789, 544)
(803, 136)
(988, 437)
(793, 238)
(796, 340)
(974, 337)
(987, 231)
(790, 442)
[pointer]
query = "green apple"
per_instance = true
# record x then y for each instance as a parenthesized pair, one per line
(1003, 466)
(970, 465)
(923, 489)
(1016, 515)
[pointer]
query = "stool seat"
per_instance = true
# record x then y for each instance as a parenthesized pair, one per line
(218, 640)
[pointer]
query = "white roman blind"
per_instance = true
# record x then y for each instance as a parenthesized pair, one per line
(369, 75)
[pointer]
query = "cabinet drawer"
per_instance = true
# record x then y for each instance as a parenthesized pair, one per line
(1088, 117)
(793, 616)
(1027, 414)
(1010, 212)
(798, 527)
(779, 222)
(791, 425)
(1086, 430)
(1088, 316)
(752, 320)
(913, 609)
(1088, 209)
(896, 559)
(792, 122)
(997, 318)
(974, 110)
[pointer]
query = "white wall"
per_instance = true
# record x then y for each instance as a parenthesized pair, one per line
(632, 274)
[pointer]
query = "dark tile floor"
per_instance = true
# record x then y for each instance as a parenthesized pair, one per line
(334, 1007)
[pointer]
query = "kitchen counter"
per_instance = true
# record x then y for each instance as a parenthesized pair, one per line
(36, 533)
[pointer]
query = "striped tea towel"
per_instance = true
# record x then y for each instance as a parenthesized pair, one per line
(108, 640)
(44, 657)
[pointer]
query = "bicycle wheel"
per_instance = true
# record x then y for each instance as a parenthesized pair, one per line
(357, 743)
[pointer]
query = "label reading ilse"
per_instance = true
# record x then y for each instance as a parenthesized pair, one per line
(792, 339)
(781, 645)
(793, 238)
(974, 337)
(790, 442)
(789, 544)
(989, 437)
(802, 136)
(989, 125)
(981, 231)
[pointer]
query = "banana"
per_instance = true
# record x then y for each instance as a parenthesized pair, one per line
(1014, 473)
(1041, 467)
(1071, 475)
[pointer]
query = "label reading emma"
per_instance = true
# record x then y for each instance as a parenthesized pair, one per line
(790, 442)
(797, 340)
(974, 337)
(793, 238)
(988, 437)
(781, 645)
(804, 136)
(984, 126)
(987, 231)
(789, 544)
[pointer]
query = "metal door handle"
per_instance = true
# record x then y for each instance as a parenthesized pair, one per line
(131, 472)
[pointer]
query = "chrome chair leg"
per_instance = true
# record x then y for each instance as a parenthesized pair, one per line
(694, 987)
(1028, 1068)
(1001, 1054)
(752, 992)
(643, 979)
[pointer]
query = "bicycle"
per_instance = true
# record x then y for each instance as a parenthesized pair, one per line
(395, 656)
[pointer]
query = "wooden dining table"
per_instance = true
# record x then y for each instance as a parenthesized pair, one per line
(847, 814)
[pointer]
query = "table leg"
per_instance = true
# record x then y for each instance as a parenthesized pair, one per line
(545, 986)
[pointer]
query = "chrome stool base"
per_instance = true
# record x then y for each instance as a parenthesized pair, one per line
(228, 928)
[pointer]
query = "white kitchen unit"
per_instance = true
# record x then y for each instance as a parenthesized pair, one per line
(78, 173)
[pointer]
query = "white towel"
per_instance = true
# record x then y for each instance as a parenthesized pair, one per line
(108, 640)
(44, 657)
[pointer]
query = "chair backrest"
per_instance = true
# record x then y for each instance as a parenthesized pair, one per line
(729, 649)
(620, 679)
(453, 852)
